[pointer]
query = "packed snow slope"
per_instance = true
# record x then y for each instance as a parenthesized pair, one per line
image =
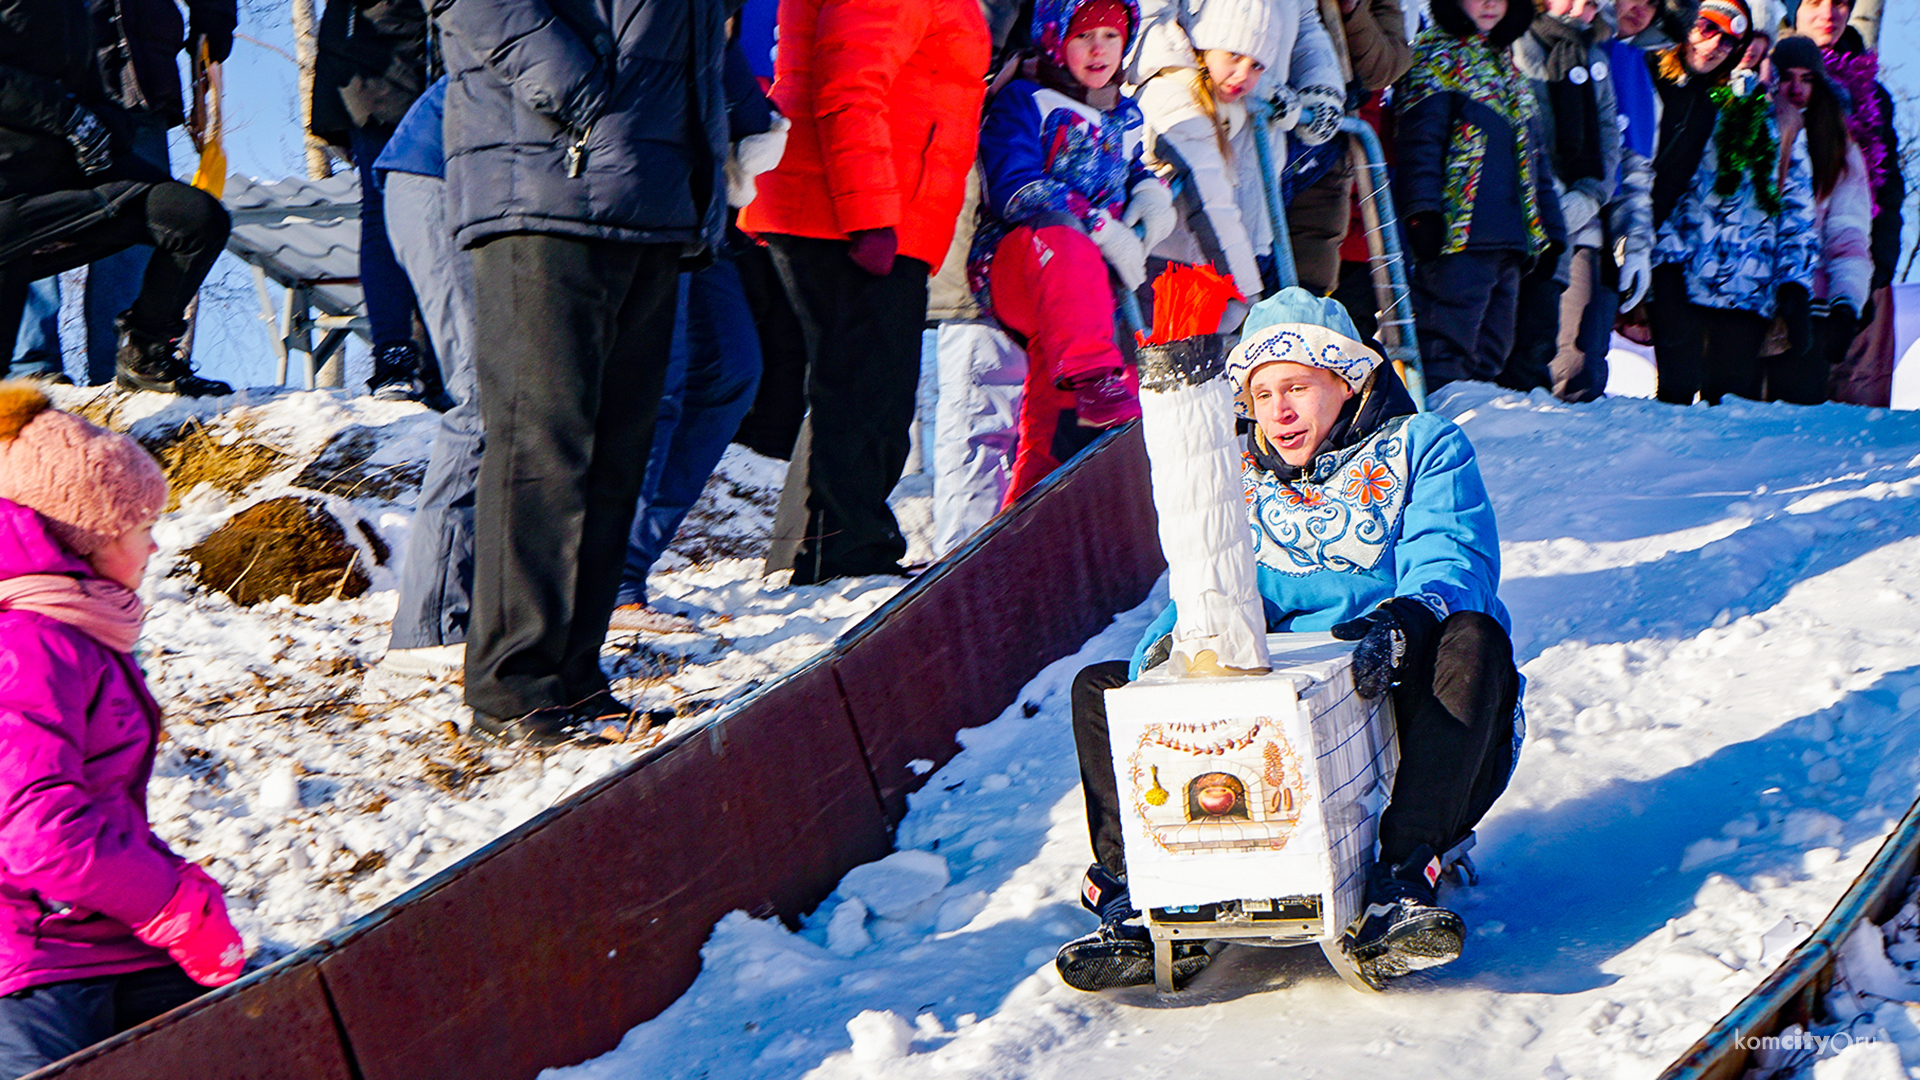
(314, 786)
(1714, 609)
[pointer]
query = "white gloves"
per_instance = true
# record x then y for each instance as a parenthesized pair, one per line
(752, 156)
(1321, 109)
(1122, 249)
(1636, 277)
(1151, 208)
(1286, 108)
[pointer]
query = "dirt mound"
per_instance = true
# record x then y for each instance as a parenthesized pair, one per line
(288, 546)
(346, 468)
(194, 454)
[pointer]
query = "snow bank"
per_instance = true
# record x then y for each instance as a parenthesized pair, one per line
(1714, 610)
(314, 793)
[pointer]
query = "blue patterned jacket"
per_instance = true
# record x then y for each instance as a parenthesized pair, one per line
(1046, 157)
(1403, 512)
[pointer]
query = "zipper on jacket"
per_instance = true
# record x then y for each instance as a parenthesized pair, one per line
(577, 154)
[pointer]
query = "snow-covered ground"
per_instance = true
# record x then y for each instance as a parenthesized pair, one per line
(1871, 1032)
(1715, 611)
(315, 794)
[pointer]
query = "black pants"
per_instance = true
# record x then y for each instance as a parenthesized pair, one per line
(187, 227)
(1707, 351)
(1463, 313)
(43, 1024)
(863, 351)
(773, 423)
(570, 353)
(1801, 378)
(1455, 719)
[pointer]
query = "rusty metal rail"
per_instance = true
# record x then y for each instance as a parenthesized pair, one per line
(1793, 993)
(544, 947)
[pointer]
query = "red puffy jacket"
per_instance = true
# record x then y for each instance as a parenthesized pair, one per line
(885, 97)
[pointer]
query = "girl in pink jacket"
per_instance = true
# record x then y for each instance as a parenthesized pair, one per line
(101, 926)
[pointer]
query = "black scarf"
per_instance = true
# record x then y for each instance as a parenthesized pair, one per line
(1572, 98)
(1382, 399)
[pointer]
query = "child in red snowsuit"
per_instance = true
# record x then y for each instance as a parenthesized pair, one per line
(1063, 189)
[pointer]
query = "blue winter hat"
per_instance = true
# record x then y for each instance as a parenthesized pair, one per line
(1295, 326)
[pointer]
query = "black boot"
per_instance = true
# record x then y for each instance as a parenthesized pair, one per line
(152, 362)
(1403, 927)
(1120, 953)
(396, 373)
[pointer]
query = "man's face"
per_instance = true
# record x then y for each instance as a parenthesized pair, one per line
(1634, 16)
(1295, 406)
(1823, 20)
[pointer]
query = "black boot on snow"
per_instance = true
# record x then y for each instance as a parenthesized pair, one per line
(1120, 953)
(152, 362)
(1403, 928)
(396, 373)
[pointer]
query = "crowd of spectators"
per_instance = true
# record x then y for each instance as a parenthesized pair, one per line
(604, 247)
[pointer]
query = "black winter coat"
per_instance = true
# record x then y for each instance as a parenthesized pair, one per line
(371, 65)
(46, 72)
(531, 80)
(139, 44)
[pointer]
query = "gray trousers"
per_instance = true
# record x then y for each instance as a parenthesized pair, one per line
(436, 580)
(1587, 309)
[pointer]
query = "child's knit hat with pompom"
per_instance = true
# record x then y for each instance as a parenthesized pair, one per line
(90, 484)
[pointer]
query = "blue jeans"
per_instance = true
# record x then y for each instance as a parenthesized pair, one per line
(389, 294)
(113, 282)
(712, 373)
(436, 580)
(37, 350)
(42, 1024)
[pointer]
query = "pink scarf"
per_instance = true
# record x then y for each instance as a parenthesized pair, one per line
(106, 611)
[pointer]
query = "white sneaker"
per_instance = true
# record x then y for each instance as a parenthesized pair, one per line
(428, 662)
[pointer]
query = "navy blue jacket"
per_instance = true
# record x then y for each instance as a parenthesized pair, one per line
(532, 79)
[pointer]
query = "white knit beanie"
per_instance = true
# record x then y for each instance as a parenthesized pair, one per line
(1247, 27)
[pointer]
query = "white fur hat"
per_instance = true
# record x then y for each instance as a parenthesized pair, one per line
(1248, 27)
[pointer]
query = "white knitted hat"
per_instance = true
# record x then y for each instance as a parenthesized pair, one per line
(1248, 27)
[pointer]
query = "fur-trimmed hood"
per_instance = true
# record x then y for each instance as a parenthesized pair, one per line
(1449, 16)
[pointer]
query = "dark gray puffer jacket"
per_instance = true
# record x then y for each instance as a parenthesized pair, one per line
(602, 119)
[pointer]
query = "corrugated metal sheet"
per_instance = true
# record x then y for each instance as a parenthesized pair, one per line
(300, 230)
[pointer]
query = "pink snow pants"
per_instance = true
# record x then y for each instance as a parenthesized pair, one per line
(1049, 285)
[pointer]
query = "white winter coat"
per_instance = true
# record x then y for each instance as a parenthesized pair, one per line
(1844, 221)
(1222, 209)
(1221, 206)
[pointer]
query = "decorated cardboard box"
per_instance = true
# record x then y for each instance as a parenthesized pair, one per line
(1253, 788)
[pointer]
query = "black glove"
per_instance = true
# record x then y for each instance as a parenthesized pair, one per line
(1842, 326)
(1158, 653)
(1794, 303)
(1393, 638)
(89, 139)
(219, 35)
(1426, 234)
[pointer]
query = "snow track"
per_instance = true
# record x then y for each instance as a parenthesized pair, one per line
(1714, 610)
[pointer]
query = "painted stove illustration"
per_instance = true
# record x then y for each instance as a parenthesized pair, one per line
(1239, 785)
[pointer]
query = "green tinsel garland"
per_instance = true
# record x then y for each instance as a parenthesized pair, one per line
(1746, 144)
